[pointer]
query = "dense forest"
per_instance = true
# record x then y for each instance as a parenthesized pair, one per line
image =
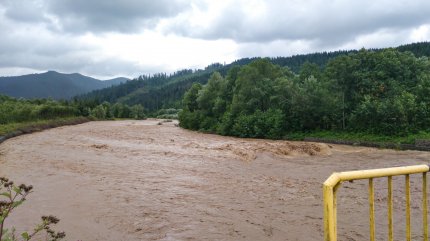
(384, 92)
(163, 91)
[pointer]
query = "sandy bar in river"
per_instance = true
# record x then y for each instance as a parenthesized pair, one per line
(139, 180)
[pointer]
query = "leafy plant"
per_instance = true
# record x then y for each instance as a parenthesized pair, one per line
(12, 196)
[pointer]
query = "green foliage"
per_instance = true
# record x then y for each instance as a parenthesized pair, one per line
(389, 116)
(137, 112)
(99, 112)
(170, 113)
(254, 87)
(383, 92)
(269, 124)
(313, 105)
(189, 119)
(11, 197)
(14, 111)
(238, 105)
(190, 97)
(120, 110)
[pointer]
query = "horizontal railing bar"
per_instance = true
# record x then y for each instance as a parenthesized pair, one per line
(337, 177)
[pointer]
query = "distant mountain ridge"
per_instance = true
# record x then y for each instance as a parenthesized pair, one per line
(53, 84)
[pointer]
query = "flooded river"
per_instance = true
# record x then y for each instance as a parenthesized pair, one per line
(151, 180)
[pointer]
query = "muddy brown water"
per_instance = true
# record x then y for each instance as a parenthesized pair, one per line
(139, 180)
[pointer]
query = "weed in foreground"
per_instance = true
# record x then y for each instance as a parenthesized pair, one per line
(12, 196)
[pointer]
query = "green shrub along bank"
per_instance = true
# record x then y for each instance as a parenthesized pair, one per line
(21, 110)
(383, 94)
(359, 137)
(117, 110)
(170, 113)
(18, 116)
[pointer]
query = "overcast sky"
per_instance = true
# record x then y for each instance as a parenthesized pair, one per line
(107, 38)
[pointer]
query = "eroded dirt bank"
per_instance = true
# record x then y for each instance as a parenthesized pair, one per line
(136, 180)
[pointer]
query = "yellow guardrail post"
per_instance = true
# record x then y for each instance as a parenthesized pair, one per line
(408, 207)
(390, 208)
(332, 184)
(424, 204)
(371, 210)
(330, 207)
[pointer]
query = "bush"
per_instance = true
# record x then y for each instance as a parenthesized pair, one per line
(137, 112)
(99, 112)
(189, 120)
(260, 124)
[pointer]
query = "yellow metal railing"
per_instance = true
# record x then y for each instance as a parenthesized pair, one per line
(332, 184)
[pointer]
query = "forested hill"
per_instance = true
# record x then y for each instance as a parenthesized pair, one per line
(165, 91)
(156, 91)
(52, 85)
(382, 92)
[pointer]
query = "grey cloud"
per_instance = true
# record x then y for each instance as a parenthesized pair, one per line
(25, 11)
(35, 41)
(41, 50)
(78, 16)
(43, 35)
(326, 22)
(111, 67)
(111, 16)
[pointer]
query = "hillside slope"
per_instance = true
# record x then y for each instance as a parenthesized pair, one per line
(52, 85)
